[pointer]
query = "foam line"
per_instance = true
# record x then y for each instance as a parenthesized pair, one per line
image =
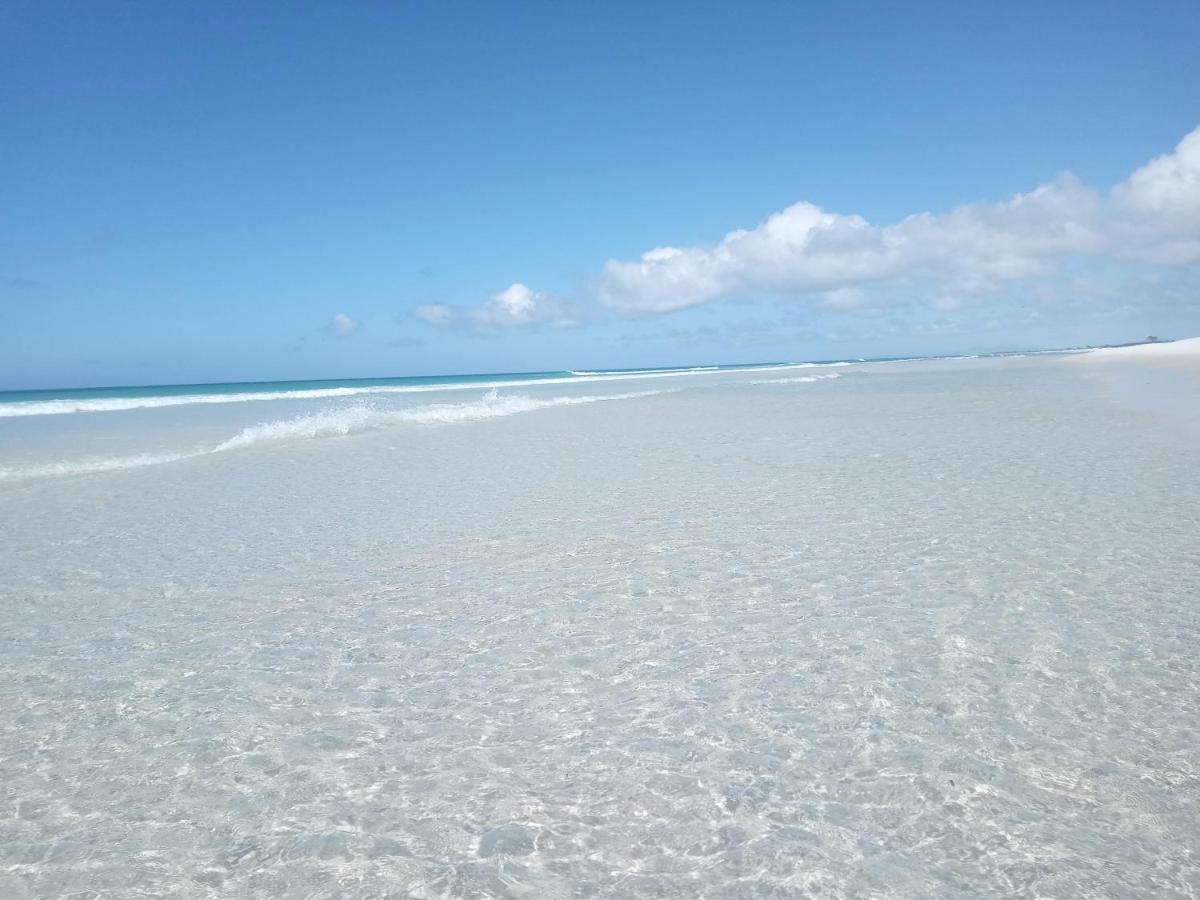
(798, 380)
(342, 421)
(65, 406)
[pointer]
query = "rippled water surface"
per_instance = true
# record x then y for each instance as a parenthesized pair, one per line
(922, 630)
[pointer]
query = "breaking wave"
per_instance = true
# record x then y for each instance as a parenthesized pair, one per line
(366, 417)
(66, 405)
(92, 464)
(602, 373)
(341, 421)
(119, 404)
(798, 380)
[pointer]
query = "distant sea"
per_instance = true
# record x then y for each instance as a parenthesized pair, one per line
(318, 408)
(111, 399)
(919, 628)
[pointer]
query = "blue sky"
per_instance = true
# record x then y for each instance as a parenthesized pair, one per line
(208, 192)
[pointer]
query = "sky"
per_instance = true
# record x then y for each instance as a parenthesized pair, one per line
(228, 192)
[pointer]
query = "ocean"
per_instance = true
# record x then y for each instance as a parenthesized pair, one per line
(919, 628)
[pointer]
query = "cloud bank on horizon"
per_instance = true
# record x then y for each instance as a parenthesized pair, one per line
(965, 255)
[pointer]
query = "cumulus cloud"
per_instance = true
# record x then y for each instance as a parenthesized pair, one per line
(967, 257)
(516, 305)
(343, 325)
(1151, 217)
(1156, 210)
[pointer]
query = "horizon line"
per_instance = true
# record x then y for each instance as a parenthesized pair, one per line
(599, 371)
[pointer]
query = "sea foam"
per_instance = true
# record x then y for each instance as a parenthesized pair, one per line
(366, 417)
(602, 373)
(344, 420)
(67, 405)
(799, 380)
(91, 464)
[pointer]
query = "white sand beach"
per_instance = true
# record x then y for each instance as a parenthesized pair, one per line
(1183, 355)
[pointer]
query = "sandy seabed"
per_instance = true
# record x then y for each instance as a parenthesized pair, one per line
(923, 630)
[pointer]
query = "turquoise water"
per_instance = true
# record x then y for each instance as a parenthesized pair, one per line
(72, 432)
(243, 387)
(915, 629)
(237, 388)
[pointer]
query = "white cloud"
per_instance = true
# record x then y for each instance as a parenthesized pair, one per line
(515, 306)
(946, 262)
(343, 325)
(1157, 209)
(971, 251)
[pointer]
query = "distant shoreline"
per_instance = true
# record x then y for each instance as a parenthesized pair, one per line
(1182, 355)
(19, 394)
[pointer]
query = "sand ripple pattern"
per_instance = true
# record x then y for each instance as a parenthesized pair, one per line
(915, 637)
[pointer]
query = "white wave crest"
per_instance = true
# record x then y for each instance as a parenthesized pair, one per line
(120, 404)
(366, 417)
(342, 421)
(64, 406)
(799, 380)
(602, 373)
(93, 464)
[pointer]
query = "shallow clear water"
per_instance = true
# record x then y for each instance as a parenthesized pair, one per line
(925, 629)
